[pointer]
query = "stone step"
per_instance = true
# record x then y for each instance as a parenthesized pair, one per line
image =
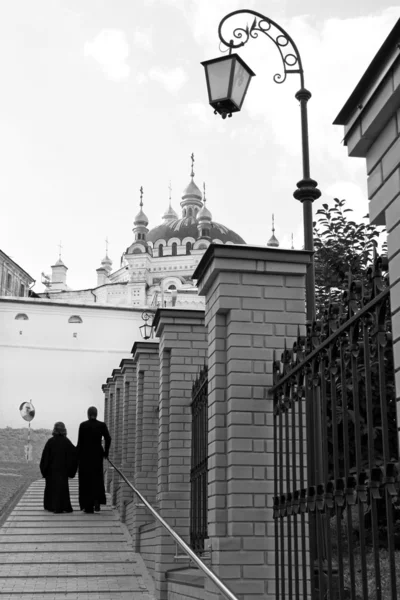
(65, 557)
(60, 529)
(72, 569)
(82, 546)
(70, 556)
(111, 583)
(45, 538)
(33, 595)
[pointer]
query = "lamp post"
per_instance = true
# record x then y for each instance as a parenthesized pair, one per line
(146, 330)
(228, 79)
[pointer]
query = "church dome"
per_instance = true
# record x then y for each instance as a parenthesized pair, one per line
(273, 242)
(204, 214)
(141, 218)
(191, 191)
(106, 261)
(169, 214)
(187, 227)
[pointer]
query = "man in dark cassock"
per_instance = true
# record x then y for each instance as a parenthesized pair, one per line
(90, 457)
(58, 462)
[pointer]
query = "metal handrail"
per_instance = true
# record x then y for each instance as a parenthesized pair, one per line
(198, 562)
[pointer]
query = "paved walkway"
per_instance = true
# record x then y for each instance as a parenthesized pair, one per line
(44, 556)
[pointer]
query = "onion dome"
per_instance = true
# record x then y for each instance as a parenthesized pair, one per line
(191, 191)
(141, 218)
(273, 242)
(106, 263)
(188, 226)
(170, 213)
(204, 214)
(191, 197)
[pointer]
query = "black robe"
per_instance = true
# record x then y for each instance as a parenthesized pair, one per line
(58, 462)
(90, 457)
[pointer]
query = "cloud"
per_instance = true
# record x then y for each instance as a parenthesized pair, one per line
(110, 49)
(171, 79)
(143, 39)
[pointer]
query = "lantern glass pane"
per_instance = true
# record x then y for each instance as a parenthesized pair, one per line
(218, 78)
(240, 81)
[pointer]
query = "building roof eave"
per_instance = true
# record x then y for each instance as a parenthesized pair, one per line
(366, 80)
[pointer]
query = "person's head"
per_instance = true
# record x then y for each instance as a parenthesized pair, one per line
(59, 429)
(92, 412)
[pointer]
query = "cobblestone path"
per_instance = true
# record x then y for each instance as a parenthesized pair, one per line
(44, 556)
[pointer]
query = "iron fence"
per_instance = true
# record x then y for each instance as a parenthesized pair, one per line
(198, 472)
(336, 504)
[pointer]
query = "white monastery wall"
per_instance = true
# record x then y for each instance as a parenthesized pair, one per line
(62, 373)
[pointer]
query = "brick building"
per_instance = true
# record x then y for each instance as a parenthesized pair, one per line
(14, 281)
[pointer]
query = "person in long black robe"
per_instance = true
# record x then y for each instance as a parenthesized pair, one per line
(90, 457)
(58, 463)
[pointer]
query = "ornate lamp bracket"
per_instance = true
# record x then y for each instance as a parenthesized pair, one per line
(288, 51)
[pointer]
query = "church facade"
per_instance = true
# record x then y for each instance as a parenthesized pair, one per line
(156, 268)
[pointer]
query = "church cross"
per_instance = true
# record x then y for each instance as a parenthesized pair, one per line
(141, 196)
(60, 247)
(170, 191)
(192, 159)
(106, 241)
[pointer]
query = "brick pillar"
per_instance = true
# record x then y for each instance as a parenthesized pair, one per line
(128, 375)
(111, 408)
(393, 229)
(183, 350)
(116, 433)
(146, 363)
(254, 301)
(106, 389)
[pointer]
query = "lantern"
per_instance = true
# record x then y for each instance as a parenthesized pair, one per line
(228, 78)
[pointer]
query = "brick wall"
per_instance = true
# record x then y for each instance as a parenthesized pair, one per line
(115, 391)
(146, 365)
(147, 544)
(254, 302)
(182, 350)
(128, 380)
(371, 119)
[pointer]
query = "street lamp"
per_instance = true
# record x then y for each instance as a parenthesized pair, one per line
(228, 79)
(146, 330)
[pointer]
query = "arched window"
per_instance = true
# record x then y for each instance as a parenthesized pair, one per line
(188, 247)
(196, 211)
(172, 287)
(190, 212)
(184, 212)
(202, 247)
(160, 250)
(174, 249)
(21, 317)
(205, 232)
(75, 319)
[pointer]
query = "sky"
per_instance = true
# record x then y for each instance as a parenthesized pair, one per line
(101, 97)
